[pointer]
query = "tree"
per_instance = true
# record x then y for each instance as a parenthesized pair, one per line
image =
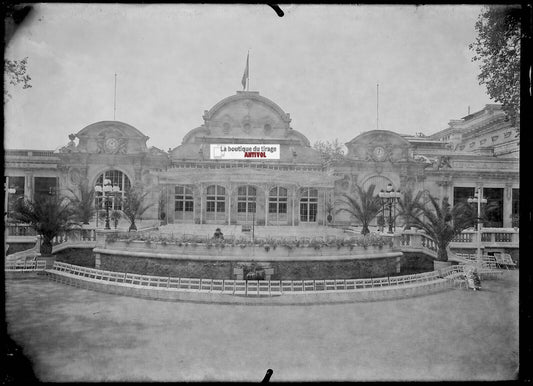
(497, 48)
(442, 222)
(133, 205)
(49, 215)
(83, 202)
(409, 206)
(15, 73)
(364, 206)
(330, 151)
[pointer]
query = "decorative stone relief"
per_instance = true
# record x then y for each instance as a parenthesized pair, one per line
(75, 176)
(226, 128)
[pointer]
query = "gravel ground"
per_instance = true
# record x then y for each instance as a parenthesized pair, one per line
(75, 335)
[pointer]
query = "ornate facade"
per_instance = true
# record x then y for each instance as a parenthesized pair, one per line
(187, 186)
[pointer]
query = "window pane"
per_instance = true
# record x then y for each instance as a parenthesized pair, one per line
(221, 207)
(462, 194)
(189, 206)
(494, 198)
(516, 202)
(45, 186)
(282, 207)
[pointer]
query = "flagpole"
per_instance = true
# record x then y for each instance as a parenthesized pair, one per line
(115, 99)
(248, 83)
(377, 106)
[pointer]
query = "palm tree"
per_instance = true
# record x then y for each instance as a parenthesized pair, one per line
(442, 222)
(364, 206)
(409, 207)
(49, 215)
(133, 205)
(83, 202)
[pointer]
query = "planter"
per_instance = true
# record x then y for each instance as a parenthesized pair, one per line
(230, 252)
(438, 265)
(50, 260)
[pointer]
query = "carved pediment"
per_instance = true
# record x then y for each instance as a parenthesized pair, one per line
(379, 146)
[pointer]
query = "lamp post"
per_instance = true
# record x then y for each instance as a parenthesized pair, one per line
(7, 192)
(107, 188)
(389, 199)
(478, 198)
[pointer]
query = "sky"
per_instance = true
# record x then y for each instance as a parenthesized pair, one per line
(319, 63)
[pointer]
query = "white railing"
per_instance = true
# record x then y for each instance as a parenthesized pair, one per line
(254, 287)
(25, 266)
(494, 237)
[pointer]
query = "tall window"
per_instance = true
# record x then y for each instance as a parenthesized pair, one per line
(494, 198)
(184, 201)
(119, 183)
(308, 205)
(516, 206)
(277, 200)
(462, 194)
(16, 183)
(216, 199)
(45, 186)
(246, 199)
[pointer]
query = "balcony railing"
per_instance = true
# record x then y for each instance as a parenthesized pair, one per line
(490, 237)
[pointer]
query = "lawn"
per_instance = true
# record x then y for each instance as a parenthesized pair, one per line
(71, 334)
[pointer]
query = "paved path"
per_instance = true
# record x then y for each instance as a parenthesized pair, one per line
(72, 334)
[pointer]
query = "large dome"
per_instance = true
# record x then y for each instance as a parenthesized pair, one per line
(246, 117)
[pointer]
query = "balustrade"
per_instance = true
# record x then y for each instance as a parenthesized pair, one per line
(250, 287)
(20, 230)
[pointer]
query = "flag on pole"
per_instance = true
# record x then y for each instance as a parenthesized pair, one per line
(245, 75)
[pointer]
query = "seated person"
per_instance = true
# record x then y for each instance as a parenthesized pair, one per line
(218, 234)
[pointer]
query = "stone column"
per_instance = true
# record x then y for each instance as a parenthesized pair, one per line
(229, 194)
(508, 205)
(201, 198)
(28, 182)
(266, 190)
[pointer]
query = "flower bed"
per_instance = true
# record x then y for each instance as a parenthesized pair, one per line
(202, 246)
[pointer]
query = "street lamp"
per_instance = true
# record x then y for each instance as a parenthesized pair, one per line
(478, 198)
(7, 191)
(389, 199)
(107, 188)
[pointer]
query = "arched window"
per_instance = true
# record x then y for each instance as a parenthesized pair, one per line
(308, 205)
(112, 184)
(380, 182)
(183, 199)
(216, 199)
(246, 199)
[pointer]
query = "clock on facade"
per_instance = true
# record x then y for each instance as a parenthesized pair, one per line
(111, 144)
(379, 152)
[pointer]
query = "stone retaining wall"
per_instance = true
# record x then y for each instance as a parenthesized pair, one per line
(353, 268)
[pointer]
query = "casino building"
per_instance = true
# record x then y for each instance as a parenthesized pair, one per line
(187, 186)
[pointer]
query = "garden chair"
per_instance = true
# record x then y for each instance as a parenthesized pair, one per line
(508, 260)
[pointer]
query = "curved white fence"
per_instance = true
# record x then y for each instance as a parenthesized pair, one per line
(253, 287)
(25, 266)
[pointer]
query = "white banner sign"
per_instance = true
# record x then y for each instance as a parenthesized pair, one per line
(245, 151)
